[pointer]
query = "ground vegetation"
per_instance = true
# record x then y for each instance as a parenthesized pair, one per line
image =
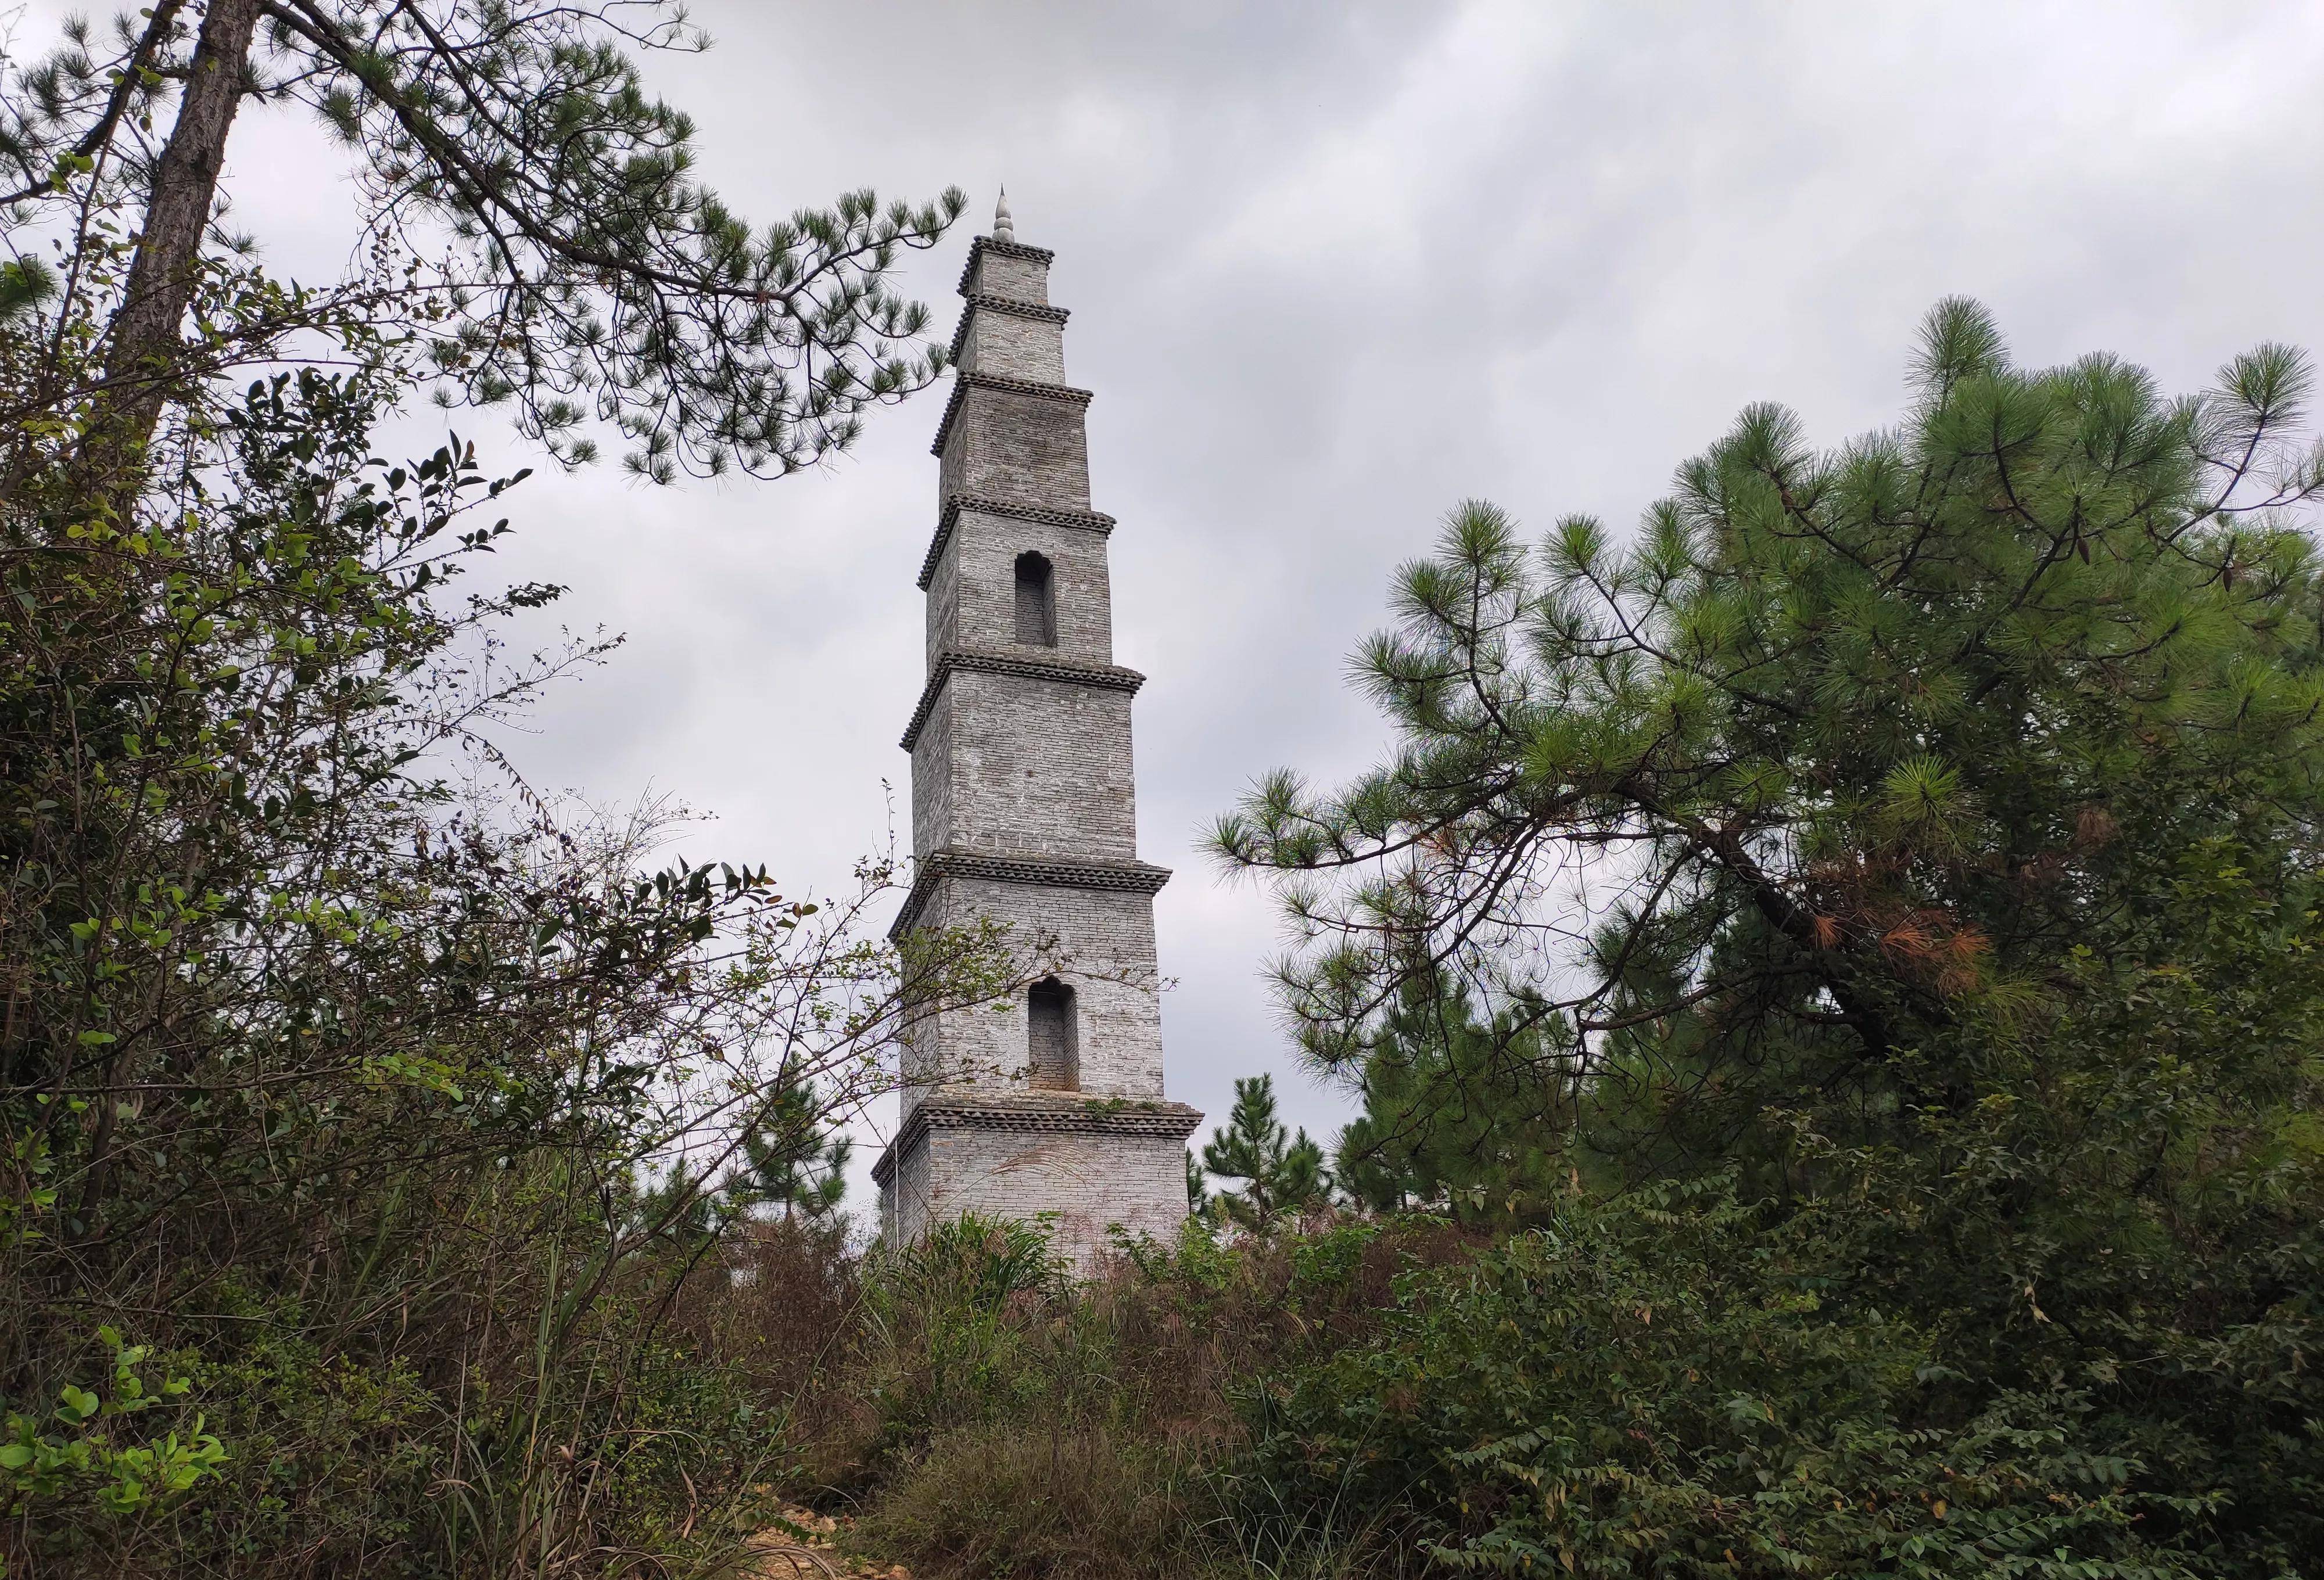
(1894, 872)
(363, 1111)
(1831, 976)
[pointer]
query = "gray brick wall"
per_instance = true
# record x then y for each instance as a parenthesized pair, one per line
(972, 596)
(1008, 762)
(1089, 1182)
(932, 779)
(1106, 939)
(1024, 280)
(1011, 445)
(1000, 342)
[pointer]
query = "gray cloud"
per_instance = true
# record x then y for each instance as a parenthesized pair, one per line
(1333, 267)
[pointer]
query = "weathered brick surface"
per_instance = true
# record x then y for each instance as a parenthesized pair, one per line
(1009, 763)
(933, 815)
(971, 597)
(1018, 447)
(997, 273)
(1001, 342)
(1013, 765)
(1090, 1182)
(907, 1198)
(1104, 950)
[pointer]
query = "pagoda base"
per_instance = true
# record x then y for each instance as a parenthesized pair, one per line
(1083, 1166)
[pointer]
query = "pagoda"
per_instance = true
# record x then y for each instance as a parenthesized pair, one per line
(1048, 1107)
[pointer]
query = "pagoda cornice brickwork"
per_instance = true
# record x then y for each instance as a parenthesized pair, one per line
(976, 1108)
(986, 247)
(976, 661)
(964, 381)
(1086, 520)
(1014, 307)
(1137, 878)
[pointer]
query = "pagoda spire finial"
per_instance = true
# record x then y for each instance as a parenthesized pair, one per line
(1004, 229)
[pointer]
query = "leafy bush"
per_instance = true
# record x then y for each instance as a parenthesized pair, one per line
(374, 1099)
(1009, 1422)
(2064, 1333)
(1658, 1387)
(92, 1448)
(958, 1327)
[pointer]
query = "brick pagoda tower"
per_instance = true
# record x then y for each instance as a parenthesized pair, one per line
(1023, 811)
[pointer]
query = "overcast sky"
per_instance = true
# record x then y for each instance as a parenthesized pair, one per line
(1333, 267)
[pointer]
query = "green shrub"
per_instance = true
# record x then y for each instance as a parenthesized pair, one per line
(1012, 1423)
(1658, 1387)
(958, 1329)
(1069, 1503)
(347, 1089)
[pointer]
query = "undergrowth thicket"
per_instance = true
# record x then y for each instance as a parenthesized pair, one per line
(1848, 954)
(1834, 983)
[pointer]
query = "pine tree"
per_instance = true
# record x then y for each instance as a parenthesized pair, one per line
(537, 219)
(1790, 803)
(1907, 851)
(1460, 1115)
(676, 1208)
(793, 1160)
(1281, 1173)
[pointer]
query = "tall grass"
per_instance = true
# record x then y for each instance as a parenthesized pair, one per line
(1001, 1420)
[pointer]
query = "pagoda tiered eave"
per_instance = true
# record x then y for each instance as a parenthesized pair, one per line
(987, 661)
(1027, 866)
(1096, 521)
(972, 1107)
(1014, 307)
(978, 248)
(964, 381)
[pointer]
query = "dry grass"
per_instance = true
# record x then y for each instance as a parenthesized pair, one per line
(1071, 1504)
(992, 1430)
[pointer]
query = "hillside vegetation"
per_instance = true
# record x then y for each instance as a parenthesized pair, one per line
(1833, 975)
(1834, 987)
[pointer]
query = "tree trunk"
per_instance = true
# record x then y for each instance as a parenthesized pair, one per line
(139, 363)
